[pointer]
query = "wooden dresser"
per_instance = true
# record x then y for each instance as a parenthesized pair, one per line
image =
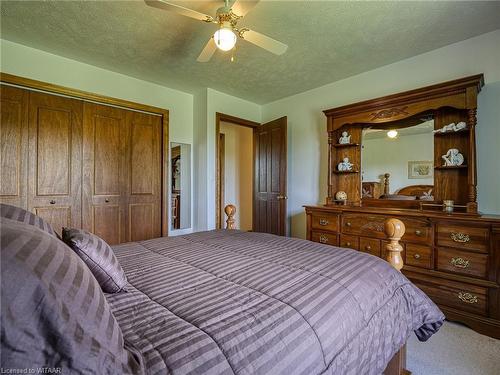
(454, 259)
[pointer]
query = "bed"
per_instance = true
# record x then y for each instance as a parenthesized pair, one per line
(232, 302)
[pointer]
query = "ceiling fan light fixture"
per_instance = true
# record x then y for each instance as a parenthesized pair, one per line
(225, 38)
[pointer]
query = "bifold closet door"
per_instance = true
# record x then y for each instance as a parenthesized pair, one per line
(54, 159)
(104, 172)
(121, 174)
(144, 175)
(14, 146)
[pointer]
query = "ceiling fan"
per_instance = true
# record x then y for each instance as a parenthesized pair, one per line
(226, 36)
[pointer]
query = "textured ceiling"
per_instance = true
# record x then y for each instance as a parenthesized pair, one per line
(328, 40)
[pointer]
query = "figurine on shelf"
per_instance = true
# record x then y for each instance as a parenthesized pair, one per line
(453, 158)
(451, 127)
(345, 165)
(345, 139)
(341, 195)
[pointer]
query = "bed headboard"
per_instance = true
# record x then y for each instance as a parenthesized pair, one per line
(416, 190)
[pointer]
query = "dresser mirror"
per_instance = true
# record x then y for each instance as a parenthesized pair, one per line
(397, 160)
(180, 188)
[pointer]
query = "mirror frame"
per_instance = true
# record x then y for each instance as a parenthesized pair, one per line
(451, 101)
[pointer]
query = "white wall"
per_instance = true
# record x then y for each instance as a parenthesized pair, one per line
(307, 151)
(204, 130)
(238, 172)
(385, 155)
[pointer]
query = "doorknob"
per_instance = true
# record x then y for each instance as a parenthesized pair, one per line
(281, 196)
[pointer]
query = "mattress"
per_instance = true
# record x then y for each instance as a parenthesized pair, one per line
(231, 302)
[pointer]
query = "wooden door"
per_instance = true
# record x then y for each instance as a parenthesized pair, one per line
(14, 146)
(104, 172)
(144, 186)
(270, 188)
(54, 159)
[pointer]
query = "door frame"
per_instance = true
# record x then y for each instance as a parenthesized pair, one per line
(31, 84)
(237, 121)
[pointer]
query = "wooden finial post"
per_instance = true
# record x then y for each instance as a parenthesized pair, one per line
(394, 229)
(230, 211)
(386, 183)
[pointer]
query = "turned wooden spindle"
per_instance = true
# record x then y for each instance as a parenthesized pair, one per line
(394, 229)
(230, 211)
(386, 183)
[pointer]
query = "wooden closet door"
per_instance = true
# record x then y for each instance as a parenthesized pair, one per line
(54, 159)
(144, 176)
(104, 172)
(14, 146)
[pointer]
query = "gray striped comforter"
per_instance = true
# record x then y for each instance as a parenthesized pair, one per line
(229, 302)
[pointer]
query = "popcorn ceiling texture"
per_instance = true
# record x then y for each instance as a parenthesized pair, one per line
(328, 41)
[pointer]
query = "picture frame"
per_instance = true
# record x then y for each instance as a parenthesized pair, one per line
(420, 169)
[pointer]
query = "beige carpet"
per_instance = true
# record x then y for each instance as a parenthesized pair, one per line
(454, 350)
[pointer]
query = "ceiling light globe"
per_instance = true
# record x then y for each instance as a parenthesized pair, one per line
(392, 133)
(225, 39)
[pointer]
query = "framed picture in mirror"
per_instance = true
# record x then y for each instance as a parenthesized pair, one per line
(420, 169)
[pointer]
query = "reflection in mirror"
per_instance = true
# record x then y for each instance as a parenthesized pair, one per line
(180, 192)
(397, 160)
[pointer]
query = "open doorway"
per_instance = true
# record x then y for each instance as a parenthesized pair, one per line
(251, 161)
(235, 169)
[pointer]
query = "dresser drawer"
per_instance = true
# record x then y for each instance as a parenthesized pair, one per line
(417, 231)
(351, 242)
(464, 237)
(326, 238)
(461, 296)
(325, 221)
(462, 262)
(418, 256)
(363, 225)
(370, 246)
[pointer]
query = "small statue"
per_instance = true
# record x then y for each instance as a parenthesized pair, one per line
(341, 195)
(451, 127)
(453, 158)
(345, 139)
(345, 165)
(461, 125)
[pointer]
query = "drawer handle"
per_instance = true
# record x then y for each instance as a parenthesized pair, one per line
(467, 297)
(418, 232)
(460, 262)
(52, 202)
(323, 239)
(368, 247)
(106, 200)
(460, 237)
(417, 256)
(323, 222)
(348, 224)
(348, 244)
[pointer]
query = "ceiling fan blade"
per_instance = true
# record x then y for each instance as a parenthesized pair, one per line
(208, 51)
(242, 7)
(160, 4)
(263, 41)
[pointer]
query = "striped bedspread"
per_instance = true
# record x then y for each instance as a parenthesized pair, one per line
(230, 302)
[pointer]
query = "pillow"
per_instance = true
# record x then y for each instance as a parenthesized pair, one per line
(20, 214)
(99, 257)
(53, 312)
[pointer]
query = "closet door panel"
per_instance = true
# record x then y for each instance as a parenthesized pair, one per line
(144, 200)
(104, 172)
(13, 145)
(55, 160)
